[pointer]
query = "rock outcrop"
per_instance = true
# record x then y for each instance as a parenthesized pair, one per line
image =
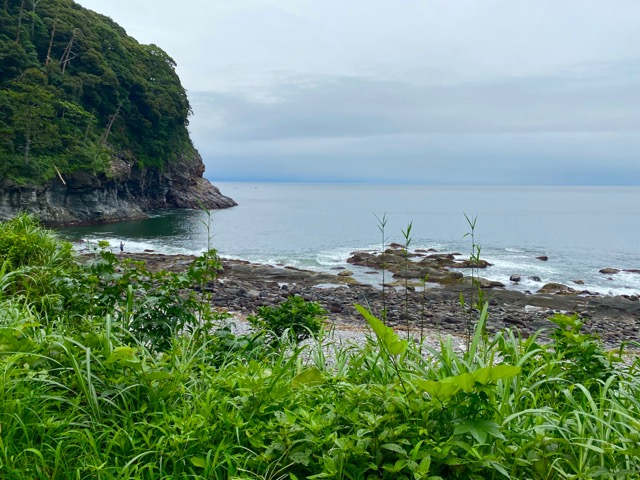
(125, 192)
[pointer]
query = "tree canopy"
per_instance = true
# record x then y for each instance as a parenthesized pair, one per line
(76, 89)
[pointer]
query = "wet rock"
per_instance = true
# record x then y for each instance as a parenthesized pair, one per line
(556, 288)
(609, 271)
(543, 258)
(468, 263)
(483, 283)
(515, 278)
(514, 321)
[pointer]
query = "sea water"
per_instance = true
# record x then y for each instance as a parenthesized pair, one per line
(316, 226)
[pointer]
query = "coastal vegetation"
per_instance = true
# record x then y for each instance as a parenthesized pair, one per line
(75, 90)
(111, 371)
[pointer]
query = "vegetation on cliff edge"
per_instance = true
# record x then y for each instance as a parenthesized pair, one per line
(75, 90)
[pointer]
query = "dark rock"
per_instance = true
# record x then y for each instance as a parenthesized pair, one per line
(515, 278)
(483, 282)
(442, 256)
(535, 278)
(556, 288)
(609, 271)
(345, 273)
(578, 282)
(544, 258)
(468, 263)
(514, 321)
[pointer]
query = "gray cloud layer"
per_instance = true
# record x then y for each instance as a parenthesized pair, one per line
(520, 130)
(442, 91)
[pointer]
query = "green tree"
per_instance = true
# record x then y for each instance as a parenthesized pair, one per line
(72, 83)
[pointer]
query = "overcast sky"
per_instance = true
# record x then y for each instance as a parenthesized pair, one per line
(421, 91)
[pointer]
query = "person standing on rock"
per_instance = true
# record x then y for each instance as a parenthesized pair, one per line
(121, 247)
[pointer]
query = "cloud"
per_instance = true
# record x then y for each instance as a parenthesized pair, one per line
(354, 107)
(572, 129)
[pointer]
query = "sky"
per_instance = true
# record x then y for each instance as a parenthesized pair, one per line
(404, 91)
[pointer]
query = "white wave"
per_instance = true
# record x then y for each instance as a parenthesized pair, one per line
(91, 243)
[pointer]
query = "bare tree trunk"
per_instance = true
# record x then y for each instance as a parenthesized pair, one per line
(66, 55)
(86, 132)
(20, 22)
(107, 130)
(34, 4)
(53, 32)
(27, 145)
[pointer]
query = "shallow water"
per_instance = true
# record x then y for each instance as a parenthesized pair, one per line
(316, 226)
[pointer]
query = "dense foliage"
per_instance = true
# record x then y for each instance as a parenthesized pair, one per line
(85, 392)
(75, 89)
(294, 320)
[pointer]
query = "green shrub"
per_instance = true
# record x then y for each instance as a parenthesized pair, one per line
(295, 319)
(23, 242)
(36, 261)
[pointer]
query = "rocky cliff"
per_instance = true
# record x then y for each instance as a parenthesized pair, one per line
(126, 191)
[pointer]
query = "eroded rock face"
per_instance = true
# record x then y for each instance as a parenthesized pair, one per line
(123, 193)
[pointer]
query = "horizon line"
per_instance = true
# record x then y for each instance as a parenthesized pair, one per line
(410, 183)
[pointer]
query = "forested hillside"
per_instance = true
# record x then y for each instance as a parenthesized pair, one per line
(75, 90)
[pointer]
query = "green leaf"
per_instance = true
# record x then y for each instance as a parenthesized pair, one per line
(121, 354)
(301, 457)
(394, 447)
(198, 462)
(465, 381)
(397, 467)
(438, 390)
(479, 428)
(425, 465)
(386, 336)
(449, 386)
(309, 377)
(493, 373)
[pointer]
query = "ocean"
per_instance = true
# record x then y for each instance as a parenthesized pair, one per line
(316, 226)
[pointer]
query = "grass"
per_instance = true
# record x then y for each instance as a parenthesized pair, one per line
(86, 396)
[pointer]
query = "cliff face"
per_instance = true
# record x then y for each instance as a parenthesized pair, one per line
(124, 192)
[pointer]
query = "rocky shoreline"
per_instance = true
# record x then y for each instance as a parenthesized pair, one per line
(242, 287)
(125, 192)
